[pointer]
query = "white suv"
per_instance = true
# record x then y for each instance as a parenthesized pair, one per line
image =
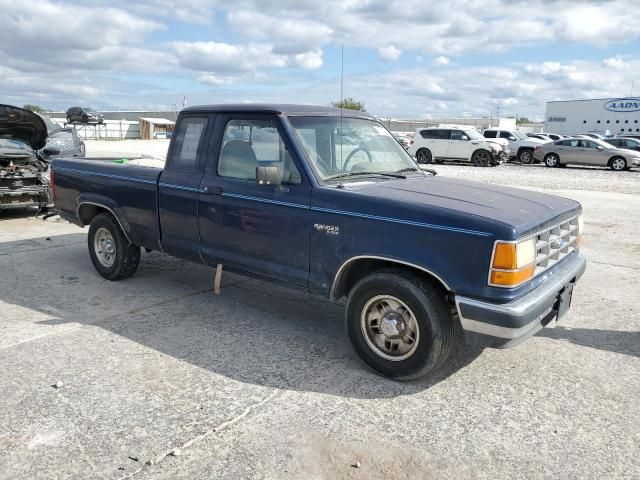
(521, 146)
(457, 143)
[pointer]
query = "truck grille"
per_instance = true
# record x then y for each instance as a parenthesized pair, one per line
(554, 244)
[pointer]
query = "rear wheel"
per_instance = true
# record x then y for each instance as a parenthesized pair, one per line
(424, 156)
(525, 157)
(112, 255)
(399, 324)
(618, 164)
(481, 158)
(552, 160)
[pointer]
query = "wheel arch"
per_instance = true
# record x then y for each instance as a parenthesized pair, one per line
(88, 210)
(355, 268)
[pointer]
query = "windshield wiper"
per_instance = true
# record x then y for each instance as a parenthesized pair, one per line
(354, 174)
(407, 169)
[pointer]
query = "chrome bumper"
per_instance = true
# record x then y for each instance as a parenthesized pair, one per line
(506, 325)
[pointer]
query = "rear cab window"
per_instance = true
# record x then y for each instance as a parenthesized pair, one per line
(187, 142)
(490, 134)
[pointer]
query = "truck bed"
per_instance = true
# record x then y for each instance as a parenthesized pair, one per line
(125, 187)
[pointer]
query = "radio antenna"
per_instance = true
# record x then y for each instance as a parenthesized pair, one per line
(341, 108)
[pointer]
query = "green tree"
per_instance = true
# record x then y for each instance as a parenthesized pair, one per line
(523, 120)
(34, 108)
(351, 104)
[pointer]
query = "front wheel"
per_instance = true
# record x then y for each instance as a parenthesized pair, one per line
(112, 255)
(481, 158)
(552, 160)
(399, 324)
(525, 157)
(618, 164)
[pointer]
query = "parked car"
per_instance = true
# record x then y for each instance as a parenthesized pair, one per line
(555, 136)
(540, 136)
(626, 143)
(66, 140)
(586, 151)
(416, 256)
(520, 146)
(84, 115)
(457, 143)
(24, 172)
(403, 140)
(629, 135)
(595, 136)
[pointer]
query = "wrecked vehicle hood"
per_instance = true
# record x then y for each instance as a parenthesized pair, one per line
(23, 125)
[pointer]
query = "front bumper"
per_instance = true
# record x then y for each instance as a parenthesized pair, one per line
(506, 325)
(636, 162)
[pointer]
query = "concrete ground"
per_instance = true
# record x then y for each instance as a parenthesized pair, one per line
(162, 379)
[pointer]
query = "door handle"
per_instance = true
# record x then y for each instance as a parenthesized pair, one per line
(213, 190)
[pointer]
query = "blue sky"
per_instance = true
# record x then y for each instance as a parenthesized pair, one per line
(408, 59)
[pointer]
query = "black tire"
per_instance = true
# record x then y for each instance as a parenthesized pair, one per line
(552, 160)
(430, 310)
(84, 119)
(618, 164)
(424, 156)
(481, 158)
(525, 156)
(68, 119)
(126, 255)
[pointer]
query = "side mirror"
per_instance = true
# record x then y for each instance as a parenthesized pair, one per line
(600, 147)
(268, 176)
(51, 151)
(513, 139)
(464, 137)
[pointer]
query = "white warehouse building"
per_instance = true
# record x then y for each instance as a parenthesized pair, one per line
(601, 115)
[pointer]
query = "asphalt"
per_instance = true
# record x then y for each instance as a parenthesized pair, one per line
(159, 378)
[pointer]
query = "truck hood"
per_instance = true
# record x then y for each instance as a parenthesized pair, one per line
(20, 124)
(524, 210)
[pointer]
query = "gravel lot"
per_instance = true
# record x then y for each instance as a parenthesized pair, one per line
(162, 379)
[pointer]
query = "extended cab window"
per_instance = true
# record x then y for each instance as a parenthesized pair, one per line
(505, 135)
(247, 144)
(186, 143)
(490, 134)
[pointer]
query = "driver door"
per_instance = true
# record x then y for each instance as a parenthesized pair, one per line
(258, 229)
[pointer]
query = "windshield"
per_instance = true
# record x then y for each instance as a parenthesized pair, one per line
(51, 125)
(473, 135)
(88, 109)
(360, 147)
(521, 136)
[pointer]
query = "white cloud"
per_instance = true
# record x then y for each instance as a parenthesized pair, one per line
(617, 63)
(389, 53)
(441, 60)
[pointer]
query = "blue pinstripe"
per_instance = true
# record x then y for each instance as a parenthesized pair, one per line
(286, 204)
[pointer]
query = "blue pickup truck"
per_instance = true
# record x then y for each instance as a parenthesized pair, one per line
(327, 201)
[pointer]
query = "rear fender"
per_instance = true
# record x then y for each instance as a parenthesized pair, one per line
(90, 204)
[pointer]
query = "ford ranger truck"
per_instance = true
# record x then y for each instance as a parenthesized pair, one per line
(326, 200)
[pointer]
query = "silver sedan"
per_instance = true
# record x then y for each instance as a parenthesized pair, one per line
(583, 151)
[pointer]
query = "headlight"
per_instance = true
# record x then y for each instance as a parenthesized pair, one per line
(512, 263)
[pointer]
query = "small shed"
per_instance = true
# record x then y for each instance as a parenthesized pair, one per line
(152, 128)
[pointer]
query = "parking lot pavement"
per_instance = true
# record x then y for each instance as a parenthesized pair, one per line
(162, 379)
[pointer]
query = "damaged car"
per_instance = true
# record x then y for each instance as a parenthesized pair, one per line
(24, 172)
